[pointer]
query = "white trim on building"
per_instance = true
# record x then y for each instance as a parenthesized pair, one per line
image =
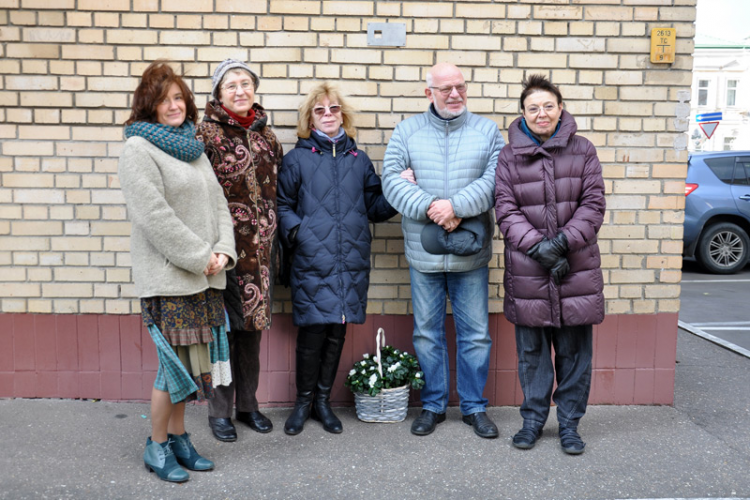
(721, 83)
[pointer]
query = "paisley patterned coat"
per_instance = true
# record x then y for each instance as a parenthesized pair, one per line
(246, 163)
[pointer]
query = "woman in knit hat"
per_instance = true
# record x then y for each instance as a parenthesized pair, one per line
(181, 242)
(245, 156)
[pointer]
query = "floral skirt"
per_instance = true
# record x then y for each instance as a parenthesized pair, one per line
(186, 322)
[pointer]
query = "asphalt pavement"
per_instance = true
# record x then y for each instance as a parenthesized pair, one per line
(698, 448)
(714, 306)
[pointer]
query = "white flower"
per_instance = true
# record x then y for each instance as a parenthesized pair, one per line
(366, 356)
(418, 375)
(395, 367)
(363, 372)
(406, 353)
(373, 379)
(372, 367)
(363, 363)
(352, 372)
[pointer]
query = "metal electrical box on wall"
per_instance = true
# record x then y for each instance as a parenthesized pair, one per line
(386, 34)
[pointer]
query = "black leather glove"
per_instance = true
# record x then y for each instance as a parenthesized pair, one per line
(559, 270)
(547, 252)
(293, 235)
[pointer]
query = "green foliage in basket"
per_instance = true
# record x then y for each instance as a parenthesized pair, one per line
(399, 368)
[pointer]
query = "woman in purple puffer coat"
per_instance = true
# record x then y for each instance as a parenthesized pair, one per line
(549, 202)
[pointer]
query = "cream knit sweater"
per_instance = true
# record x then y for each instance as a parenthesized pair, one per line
(179, 218)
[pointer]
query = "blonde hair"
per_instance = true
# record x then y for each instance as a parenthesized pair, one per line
(325, 89)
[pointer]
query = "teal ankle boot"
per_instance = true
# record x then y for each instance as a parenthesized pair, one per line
(160, 458)
(186, 454)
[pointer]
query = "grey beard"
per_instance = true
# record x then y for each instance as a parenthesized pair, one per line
(448, 114)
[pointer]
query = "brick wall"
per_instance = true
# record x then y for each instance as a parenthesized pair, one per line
(68, 69)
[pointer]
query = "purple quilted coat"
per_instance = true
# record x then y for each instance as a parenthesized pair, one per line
(540, 191)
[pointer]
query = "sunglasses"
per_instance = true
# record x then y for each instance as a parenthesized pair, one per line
(321, 110)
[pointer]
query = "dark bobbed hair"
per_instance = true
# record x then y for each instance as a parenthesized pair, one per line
(538, 83)
(154, 86)
(317, 93)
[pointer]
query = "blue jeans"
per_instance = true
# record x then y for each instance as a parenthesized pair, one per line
(468, 293)
(573, 352)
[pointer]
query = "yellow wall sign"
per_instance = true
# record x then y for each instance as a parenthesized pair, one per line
(663, 45)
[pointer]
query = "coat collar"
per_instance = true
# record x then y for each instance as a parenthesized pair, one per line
(441, 123)
(319, 144)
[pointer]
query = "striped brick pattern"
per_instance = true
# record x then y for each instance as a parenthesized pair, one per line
(68, 69)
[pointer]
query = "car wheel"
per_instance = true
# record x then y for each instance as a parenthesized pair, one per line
(723, 248)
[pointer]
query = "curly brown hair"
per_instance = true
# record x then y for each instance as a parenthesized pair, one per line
(154, 86)
(317, 93)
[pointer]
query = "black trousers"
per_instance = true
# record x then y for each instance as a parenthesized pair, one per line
(244, 356)
(537, 373)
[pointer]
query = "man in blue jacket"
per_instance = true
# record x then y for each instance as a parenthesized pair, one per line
(439, 170)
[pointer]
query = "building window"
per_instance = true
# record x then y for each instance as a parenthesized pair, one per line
(702, 92)
(728, 143)
(731, 92)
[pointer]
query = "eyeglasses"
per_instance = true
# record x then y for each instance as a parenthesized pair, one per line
(245, 84)
(534, 110)
(321, 110)
(446, 91)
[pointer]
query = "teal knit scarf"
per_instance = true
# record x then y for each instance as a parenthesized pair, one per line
(179, 142)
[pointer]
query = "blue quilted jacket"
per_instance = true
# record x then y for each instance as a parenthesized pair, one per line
(452, 159)
(329, 199)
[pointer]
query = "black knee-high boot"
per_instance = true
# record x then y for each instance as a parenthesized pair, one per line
(309, 344)
(329, 364)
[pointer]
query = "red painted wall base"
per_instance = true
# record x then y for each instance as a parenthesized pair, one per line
(113, 358)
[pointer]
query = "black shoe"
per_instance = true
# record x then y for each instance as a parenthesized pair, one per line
(571, 441)
(256, 420)
(525, 439)
(483, 426)
(426, 422)
(223, 429)
(322, 412)
(300, 413)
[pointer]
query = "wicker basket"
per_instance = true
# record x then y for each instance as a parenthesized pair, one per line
(388, 406)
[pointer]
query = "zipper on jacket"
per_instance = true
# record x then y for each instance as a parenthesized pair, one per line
(445, 179)
(338, 224)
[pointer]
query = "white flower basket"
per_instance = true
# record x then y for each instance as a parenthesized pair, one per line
(389, 405)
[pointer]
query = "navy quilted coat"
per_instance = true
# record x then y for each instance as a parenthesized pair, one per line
(540, 191)
(331, 199)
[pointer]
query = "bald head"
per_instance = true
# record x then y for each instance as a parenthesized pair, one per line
(446, 90)
(442, 70)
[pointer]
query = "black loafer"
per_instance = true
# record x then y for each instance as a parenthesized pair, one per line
(256, 420)
(571, 441)
(223, 429)
(483, 426)
(525, 439)
(426, 422)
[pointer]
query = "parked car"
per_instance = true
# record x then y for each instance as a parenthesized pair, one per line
(717, 210)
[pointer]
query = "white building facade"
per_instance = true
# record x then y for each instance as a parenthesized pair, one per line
(721, 83)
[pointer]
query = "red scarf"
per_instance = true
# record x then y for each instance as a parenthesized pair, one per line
(244, 121)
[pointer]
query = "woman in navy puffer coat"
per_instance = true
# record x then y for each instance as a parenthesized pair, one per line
(549, 202)
(328, 192)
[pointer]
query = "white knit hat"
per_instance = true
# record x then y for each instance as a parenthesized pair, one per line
(225, 66)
